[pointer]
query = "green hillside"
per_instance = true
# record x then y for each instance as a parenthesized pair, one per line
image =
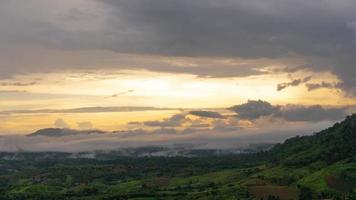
(331, 145)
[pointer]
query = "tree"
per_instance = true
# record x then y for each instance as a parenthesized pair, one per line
(305, 193)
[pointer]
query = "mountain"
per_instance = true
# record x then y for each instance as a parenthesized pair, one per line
(58, 132)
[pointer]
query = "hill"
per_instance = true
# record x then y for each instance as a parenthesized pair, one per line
(330, 145)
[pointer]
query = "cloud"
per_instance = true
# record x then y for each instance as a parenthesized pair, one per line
(320, 32)
(89, 109)
(13, 91)
(17, 84)
(134, 123)
(122, 93)
(352, 26)
(165, 131)
(253, 110)
(293, 83)
(312, 113)
(206, 120)
(85, 125)
(174, 121)
(323, 84)
(208, 114)
(190, 28)
(102, 61)
(60, 123)
(225, 126)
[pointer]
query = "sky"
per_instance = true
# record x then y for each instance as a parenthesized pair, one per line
(182, 68)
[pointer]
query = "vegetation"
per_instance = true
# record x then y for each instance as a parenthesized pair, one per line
(322, 166)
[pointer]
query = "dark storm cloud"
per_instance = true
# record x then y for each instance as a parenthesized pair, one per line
(253, 110)
(323, 32)
(246, 28)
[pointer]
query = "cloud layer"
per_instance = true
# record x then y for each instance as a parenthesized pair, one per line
(253, 122)
(253, 110)
(87, 110)
(80, 141)
(320, 32)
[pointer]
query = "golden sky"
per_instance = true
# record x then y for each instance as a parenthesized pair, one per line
(139, 88)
